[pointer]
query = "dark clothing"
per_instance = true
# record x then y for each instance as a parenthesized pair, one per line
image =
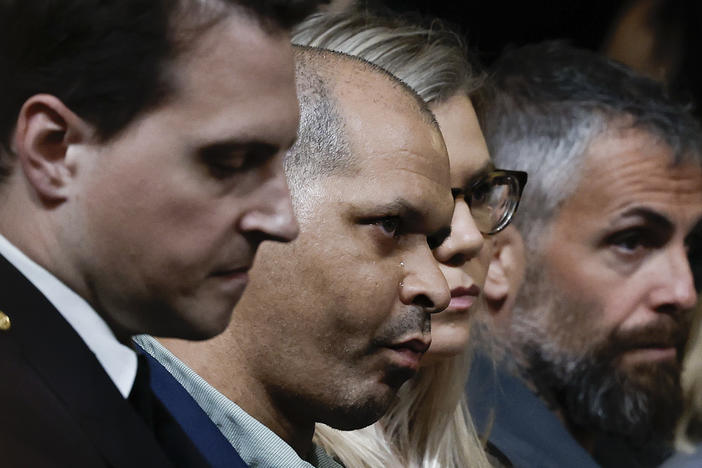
(530, 435)
(519, 423)
(202, 431)
(58, 407)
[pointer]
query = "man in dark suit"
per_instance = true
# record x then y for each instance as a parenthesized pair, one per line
(140, 168)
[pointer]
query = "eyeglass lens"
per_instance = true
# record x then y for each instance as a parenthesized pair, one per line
(493, 202)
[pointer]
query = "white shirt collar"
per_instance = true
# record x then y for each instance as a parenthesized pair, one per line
(118, 360)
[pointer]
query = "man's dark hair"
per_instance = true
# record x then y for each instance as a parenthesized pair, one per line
(551, 100)
(106, 59)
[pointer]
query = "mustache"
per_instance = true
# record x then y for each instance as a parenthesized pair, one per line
(414, 319)
(663, 333)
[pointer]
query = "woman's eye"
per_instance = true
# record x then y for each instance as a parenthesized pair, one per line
(390, 225)
(479, 194)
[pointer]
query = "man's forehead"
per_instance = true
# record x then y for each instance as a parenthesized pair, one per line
(396, 164)
(353, 80)
(625, 173)
(241, 38)
(357, 86)
(377, 124)
(391, 142)
(407, 194)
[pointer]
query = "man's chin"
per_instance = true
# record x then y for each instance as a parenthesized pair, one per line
(639, 401)
(361, 409)
(360, 415)
(194, 323)
(658, 379)
(632, 395)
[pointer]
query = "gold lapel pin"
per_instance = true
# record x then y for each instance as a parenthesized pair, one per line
(5, 323)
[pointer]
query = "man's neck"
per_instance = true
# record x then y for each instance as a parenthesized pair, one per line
(223, 365)
(36, 236)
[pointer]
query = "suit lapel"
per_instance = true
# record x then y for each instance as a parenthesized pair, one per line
(198, 426)
(67, 366)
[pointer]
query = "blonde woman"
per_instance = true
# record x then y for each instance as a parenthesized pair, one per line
(689, 430)
(429, 426)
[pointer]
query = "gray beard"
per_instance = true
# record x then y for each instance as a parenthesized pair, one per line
(574, 368)
(598, 398)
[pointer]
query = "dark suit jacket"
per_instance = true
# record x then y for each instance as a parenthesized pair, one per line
(530, 435)
(187, 412)
(518, 423)
(58, 407)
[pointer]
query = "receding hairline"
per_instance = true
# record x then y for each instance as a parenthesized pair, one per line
(324, 146)
(323, 62)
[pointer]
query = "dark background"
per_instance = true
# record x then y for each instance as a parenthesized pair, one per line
(492, 25)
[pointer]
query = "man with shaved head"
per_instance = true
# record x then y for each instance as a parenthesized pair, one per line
(335, 322)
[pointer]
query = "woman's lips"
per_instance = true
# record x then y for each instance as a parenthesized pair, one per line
(463, 298)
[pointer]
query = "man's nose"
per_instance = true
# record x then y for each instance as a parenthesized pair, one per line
(271, 213)
(677, 283)
(423, 283)
(465, 241)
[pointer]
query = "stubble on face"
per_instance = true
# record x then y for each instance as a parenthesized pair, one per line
(601, 320)
(319, 327)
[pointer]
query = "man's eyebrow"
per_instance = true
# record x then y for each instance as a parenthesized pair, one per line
(404, 208)
(650, 216)
(224, 149)
(489, 166)
(399, 206)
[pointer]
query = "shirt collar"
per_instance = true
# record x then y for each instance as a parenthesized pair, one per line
(257, 445)
(118, 360)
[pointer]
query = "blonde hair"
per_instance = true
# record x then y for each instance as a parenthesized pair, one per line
(689, 429)
(432, 60)
(429, 426)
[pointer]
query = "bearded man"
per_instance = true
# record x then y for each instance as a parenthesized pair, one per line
(607, 240)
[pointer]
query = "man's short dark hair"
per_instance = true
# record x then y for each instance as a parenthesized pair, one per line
(106, 59)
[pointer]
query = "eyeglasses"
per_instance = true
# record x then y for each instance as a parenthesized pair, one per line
(493, 198)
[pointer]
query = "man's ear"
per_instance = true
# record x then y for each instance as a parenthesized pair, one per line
(506, 272)
(45, 130)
